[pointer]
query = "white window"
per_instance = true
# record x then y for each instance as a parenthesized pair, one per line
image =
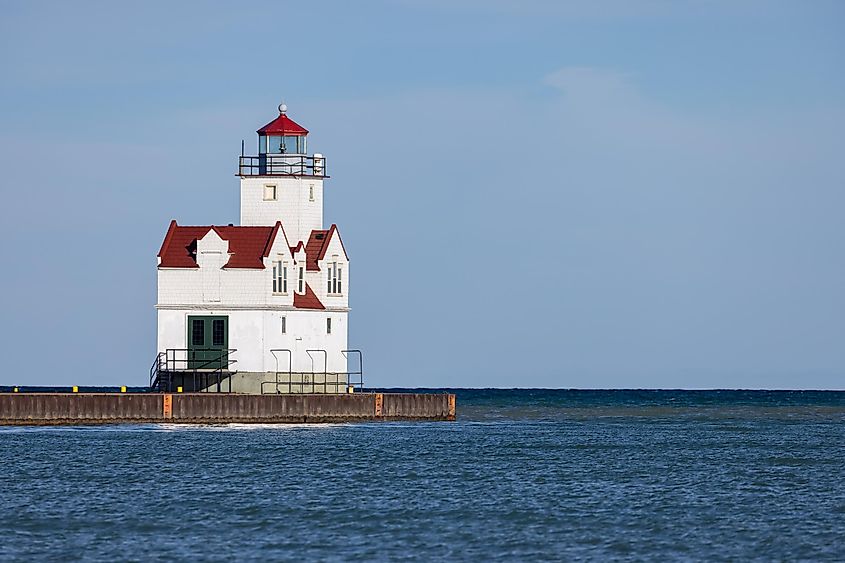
(311, 193)
(328, 325)
(335, 279)
(280, 277)
(269, 192)
(300, 280)
(284, 325)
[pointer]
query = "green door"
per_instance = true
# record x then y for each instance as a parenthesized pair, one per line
(208, 340)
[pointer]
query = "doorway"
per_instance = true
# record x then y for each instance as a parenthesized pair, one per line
(208, 342)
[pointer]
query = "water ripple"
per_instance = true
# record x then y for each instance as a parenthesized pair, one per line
(525, 476)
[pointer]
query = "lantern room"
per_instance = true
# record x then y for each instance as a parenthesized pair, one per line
(282, 151)
(282, 136)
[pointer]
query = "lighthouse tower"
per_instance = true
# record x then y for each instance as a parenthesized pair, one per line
(260, 307)
(282, 182)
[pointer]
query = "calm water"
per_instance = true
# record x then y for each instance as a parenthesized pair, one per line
(523, 475)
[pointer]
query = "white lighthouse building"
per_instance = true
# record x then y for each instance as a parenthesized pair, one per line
(259, 307)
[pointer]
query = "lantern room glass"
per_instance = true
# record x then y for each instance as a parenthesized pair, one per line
(281, 144)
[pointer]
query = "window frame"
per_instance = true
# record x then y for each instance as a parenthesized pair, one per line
(334, 278)
(275, 189)
(280, 277)
(215, 325)
(198, 324)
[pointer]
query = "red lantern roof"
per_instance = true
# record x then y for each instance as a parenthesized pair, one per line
(283, 125)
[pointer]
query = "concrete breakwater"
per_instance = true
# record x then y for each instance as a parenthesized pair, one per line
(208, 408)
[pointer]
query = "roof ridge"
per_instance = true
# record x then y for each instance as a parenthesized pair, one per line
(267, 245)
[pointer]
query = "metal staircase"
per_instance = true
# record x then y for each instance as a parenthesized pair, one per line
(197, 369)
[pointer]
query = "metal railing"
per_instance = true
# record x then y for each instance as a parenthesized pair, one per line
(282, 165)
(204, 366)
(156, 371)
(359, 384)
(290, 373)
(314, 381)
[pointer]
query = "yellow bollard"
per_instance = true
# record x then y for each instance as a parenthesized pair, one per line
(123, 389)
(179, 389)
(75, 389)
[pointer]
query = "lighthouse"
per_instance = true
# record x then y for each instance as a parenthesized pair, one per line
(260, 307)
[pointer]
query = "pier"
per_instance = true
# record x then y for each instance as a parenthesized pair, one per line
(39, 409)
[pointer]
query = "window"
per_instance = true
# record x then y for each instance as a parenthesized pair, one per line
(280, 277)
(198, 332)
(217, 332)
(335, 279)
(300, 281)
(328, 325)
(269, 192)
(285, 144)
(310, 193)
(284, 325)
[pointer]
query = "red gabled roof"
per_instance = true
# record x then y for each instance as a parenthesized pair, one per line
(314, 249)
(180, 246)
(247, 245)
(283, 125)
(307, 300)
(318, 244)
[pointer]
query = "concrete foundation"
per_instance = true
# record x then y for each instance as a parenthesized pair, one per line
(209, 408)
(263, 383)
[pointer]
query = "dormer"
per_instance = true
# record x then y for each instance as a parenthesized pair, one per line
(211, 250)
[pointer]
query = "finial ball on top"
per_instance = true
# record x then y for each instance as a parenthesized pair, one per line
(283, 108)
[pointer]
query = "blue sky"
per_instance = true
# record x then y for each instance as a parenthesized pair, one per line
(548, 194)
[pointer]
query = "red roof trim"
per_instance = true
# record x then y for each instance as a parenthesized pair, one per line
(307, 300)
(283, 125)
(332, 231)
(167, 238)
(273, 238)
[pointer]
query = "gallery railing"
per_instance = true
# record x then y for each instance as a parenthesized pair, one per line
(282, 165)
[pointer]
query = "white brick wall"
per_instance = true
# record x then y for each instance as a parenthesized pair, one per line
(293, 205)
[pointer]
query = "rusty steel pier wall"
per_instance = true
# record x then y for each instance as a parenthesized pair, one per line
(208, 408)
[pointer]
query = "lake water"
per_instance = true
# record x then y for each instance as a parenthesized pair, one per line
(522, 475)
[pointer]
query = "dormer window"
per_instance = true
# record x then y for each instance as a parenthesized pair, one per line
(335, 279)
(280, 278)
(300, 280)
(269, 192)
